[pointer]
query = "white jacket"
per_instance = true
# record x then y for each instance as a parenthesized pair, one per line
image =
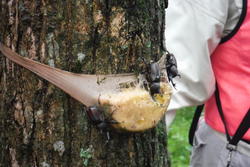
(194, 29)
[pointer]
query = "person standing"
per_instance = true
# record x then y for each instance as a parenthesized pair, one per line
(211, 42)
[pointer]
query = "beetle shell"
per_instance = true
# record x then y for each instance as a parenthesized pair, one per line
(154, 72)
(155, 88)
(171, 67)
(95, 114)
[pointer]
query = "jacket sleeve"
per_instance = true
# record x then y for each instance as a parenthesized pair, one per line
(193, 31)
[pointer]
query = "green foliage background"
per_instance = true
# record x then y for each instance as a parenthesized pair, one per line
(178, 145)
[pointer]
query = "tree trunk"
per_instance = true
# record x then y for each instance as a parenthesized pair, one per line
(42, 126)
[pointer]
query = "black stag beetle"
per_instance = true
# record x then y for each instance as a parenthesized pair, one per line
(153, 73)
(97, 117)
(171, 67)
(153, 77)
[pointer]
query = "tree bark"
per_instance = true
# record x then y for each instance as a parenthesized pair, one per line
(42, 126)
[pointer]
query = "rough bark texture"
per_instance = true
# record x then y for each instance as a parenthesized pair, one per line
(42, 126)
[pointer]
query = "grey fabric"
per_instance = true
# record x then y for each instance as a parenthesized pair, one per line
(209, 150)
